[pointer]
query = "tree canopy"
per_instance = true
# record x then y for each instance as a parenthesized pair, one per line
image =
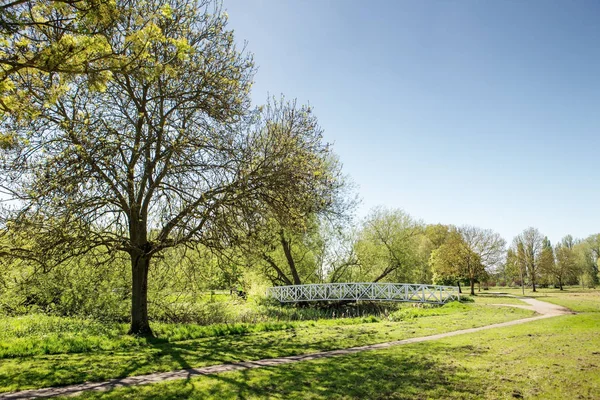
(43, 38)
(467, 253)
(386, 246)
(529, 245)
(167, 153)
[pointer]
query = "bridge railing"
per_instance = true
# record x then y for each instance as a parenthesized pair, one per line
(365, 291)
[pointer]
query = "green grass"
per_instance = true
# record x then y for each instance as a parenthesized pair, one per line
(60, 369)
(40, 334)
(557, 358)
(226, 309)
(574, 298)
(496, 299)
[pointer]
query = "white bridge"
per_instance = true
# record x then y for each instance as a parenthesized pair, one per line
(415, 293)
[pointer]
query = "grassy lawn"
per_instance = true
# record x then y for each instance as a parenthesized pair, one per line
(42, 370)
(488, 298)
(41, 334)
(557, 358)
(575, 298)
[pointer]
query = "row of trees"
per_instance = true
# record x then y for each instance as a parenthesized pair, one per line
(390, 245)
(387, 246)
(533, 259)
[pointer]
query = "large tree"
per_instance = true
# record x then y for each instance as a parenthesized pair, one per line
(547, 263)
(166, 154)
(294, 255)
(531, 242)
(386, 246)
(468, 253)
(588, 260)
(514, 267)
(565, 266)
(489, 245)
(454, 261)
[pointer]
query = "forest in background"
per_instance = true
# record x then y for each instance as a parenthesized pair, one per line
(186, 285)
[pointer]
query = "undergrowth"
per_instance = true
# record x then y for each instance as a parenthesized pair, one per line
(39, 334)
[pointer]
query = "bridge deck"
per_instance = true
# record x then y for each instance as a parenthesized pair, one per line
(410, 292)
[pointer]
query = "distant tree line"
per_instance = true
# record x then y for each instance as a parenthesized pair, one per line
(534, 261)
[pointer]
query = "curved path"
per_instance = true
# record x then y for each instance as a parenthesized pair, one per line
(546, 310)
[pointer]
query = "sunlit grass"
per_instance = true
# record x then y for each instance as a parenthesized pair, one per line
(496, 299)
(574, 298)
(305, 337)
(555, 358)
(41, 334)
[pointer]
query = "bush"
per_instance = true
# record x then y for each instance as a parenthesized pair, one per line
(88, 287)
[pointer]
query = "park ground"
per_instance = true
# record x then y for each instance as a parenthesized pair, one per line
(554, 358)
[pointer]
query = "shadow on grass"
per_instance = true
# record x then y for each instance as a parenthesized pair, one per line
(66, 369)
(410, 374)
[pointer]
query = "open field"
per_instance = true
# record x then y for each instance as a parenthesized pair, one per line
(575, 298)
(557, 358)
(42, 370)
(489, 298)
(554, 358)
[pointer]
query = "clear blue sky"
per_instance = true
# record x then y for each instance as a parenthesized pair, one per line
(460, 112)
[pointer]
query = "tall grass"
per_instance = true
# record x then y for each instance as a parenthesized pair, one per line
(38, 334)
(259, 309)
(41, 334)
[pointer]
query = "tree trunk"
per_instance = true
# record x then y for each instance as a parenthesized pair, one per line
(459, 289)
(532, 270)
(560, 284)
(287, 250)
(522, 281)
(280, 274)
(140, 264)
(472, 287)
(388, 270)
